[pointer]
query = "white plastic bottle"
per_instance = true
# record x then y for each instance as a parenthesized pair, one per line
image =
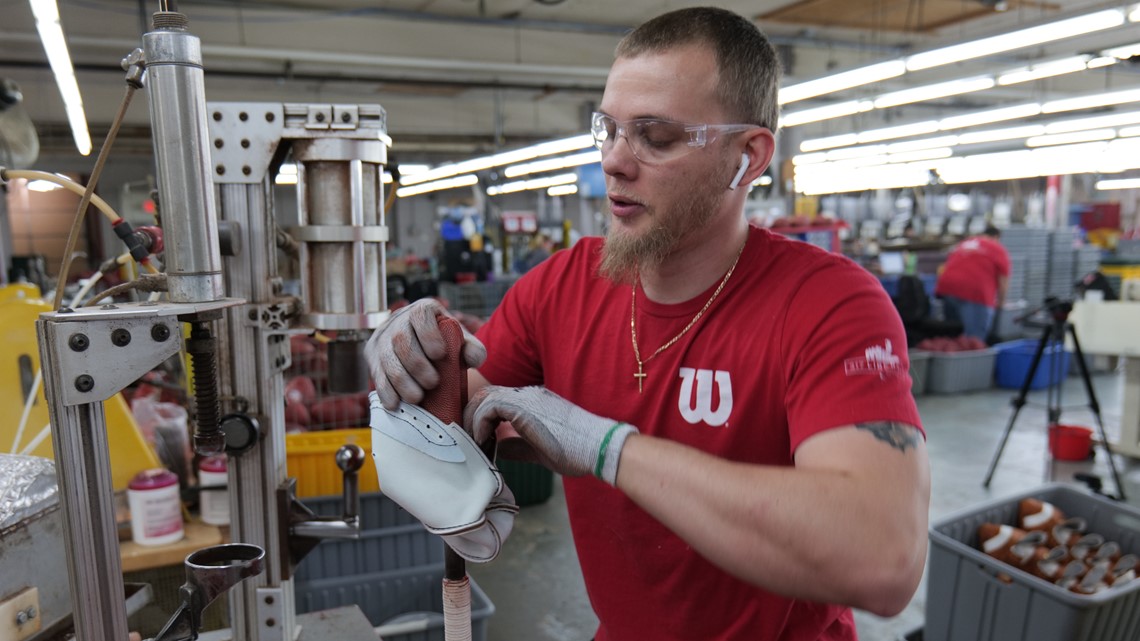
(156, 507)
(214, 505)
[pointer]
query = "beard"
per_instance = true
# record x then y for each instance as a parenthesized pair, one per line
(625, 254)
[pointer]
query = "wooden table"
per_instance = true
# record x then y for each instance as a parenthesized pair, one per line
(144, 557)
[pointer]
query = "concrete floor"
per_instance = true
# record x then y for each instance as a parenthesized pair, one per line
(537, 588)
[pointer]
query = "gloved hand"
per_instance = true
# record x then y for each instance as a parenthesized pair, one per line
(400, 353)
(567, 439)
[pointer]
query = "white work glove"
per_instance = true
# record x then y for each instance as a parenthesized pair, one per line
(401, 351)
(564, 437)
(439, 475)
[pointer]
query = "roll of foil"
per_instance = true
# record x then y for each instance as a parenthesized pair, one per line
(27, 487)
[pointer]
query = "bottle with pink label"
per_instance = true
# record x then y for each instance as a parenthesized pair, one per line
(156, 507)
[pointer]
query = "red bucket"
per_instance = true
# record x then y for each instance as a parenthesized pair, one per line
(1070, 442)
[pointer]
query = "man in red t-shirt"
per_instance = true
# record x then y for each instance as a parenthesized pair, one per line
(730, 408)
(974, 281)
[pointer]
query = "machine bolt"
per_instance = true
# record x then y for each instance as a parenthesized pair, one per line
(319, 117)
(31, 612)
(84, 383)
(21, 618)
(243, 116)
(159, 332)
(120, 337)
(345, 116)
(78, 342)
(245, 143)
(269, 116)
(246, 170)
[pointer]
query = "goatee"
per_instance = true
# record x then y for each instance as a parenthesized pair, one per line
(625, 254)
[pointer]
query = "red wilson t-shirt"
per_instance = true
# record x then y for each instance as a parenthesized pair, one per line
(799, 341)
(972, 270)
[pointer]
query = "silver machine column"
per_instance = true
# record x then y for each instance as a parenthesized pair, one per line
(91, 353)
(340, 152)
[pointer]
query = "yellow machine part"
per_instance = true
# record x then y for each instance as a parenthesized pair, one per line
(20, 306)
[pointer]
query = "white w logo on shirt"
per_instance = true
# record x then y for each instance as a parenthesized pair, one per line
(703, 408)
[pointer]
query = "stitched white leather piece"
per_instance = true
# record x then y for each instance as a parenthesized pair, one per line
(447, 491)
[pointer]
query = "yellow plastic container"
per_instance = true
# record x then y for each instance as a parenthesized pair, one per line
(311, 458)
(20, 306)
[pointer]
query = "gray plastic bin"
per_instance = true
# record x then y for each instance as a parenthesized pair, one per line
(919, 371)
(966, 601)
(399, 596)
(957, 372)
(390, 539)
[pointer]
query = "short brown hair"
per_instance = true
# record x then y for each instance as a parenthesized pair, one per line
(749, 70)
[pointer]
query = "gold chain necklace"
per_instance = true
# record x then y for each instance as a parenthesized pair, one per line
(641, 375)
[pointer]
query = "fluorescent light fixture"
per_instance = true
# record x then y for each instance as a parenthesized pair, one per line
(832, 179)
(387, 178)
(1123, 52)
(763, 181)
(842, 80)
(553, 164)
(1094, 122)
(807, 159)
(924, 143)
(899, 131)
(524, 154)
(933, 91)
(465, 180)
(285, 179)
(826, 112)
(1071, 137)
(995, 135)
(856, 152)
(42, 186)
(1100, 61)
(411, 169)
(55, 46)
(1045, 70)
(1128, 132)
(1059, 30)
(921, 154)
(536, 183)
(958, 202)
(562, 190)
(1118, 183)
(1093, 100)
(1134, 14)
(818, 144)
(990, 115)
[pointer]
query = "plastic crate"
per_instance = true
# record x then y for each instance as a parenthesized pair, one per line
(311, 458)
(919, 371)
(1014, 358)
(966, 601)
(957, 372)
(390, 548)
(398, 595)
(529, 482)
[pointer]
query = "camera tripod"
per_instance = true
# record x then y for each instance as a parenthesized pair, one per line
(1055, 333)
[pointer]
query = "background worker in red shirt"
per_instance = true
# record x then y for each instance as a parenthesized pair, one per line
(974, 281)
(730, 408)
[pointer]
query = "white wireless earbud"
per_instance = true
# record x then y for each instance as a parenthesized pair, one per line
(739, 172)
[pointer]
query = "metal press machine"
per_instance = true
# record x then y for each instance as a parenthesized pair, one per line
(216, 164)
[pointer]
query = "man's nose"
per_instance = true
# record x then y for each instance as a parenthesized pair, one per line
(619, 159)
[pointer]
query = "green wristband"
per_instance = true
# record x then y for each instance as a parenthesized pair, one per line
(602, 450)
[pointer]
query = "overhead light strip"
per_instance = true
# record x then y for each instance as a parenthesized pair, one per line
(1019, 39)
(1090, 157)
(551, 148)
(536, 183)
(1048, 69)
(453, 182)
(55, 46)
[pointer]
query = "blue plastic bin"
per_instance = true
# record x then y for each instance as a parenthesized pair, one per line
(1015, 357)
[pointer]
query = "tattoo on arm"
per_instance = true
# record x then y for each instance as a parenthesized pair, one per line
(898, 435)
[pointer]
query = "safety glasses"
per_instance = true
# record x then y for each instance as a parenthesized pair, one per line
(655, 140)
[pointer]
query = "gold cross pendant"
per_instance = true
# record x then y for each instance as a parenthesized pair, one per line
(640, 376)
